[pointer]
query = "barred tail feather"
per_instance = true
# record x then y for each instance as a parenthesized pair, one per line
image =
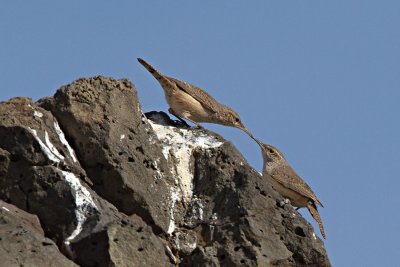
(166, 84)
(312, 208)
(151, 69)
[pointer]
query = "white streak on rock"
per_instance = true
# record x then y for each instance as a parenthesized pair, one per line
(174, 199)
(45, 149)
(64, 141)
(83, 201)
(171, 255)
(37, 114)
(122, 137)
(52, 148)
(314, 236)
(159, 175)
(4, 208)
(179, 144)
(177, 148)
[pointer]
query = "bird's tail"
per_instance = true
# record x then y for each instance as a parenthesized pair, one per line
(312, 208)
(151, 69)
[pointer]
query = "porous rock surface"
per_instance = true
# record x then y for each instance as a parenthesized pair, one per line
(87, 179)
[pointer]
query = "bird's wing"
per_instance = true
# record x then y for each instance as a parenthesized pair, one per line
(314, 213)
(286, 176)
(197, 93)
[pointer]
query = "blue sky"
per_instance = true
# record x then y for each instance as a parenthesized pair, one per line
(320, 80)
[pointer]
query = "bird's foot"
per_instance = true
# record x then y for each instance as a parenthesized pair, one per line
(198, 127)
(180, 121)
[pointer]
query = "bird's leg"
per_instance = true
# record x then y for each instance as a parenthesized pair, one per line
(182, 121)
(198, 126)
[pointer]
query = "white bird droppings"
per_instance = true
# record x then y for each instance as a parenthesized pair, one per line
(180, 144)
(64, 141)
(83, 201)
(49, 151)
(4, 208)
(52, 148)
(37, 114)
(174, 199)
(177, 146)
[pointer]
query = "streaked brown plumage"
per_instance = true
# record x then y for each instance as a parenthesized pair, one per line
(290, 185)
(193, 103)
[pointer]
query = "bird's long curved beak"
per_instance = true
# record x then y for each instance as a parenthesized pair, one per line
(252, 136)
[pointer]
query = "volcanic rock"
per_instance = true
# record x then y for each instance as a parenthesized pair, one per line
(112, 186)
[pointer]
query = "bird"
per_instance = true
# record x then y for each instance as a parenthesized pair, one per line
(192, 103)
(288, 183)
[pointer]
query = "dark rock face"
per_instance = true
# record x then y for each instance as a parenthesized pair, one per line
(22, 241)
(41, 175)
(114, 188)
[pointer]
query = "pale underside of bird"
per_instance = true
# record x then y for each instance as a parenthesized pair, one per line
(193, 103)
(285, 180)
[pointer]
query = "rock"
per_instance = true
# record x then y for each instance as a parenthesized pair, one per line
(112, 187)
(115, 145)
(41, 175)
(126, 244)
(235, 214)
(22, 242)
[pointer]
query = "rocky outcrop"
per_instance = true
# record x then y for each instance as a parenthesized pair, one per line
(114, 187)
(22, 241)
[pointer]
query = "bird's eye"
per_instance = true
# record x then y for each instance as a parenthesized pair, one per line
(237, 120)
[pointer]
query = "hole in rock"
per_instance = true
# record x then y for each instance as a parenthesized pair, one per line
(299, 231)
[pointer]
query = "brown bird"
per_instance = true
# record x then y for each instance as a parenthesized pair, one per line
(286, 181)
(194, 104)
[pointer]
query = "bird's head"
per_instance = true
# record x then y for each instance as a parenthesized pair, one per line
(271, 153)
(231, 118)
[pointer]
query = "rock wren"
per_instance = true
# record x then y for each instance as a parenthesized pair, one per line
(286, 181)
(194, 104)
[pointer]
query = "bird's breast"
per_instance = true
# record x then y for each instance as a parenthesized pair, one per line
(186, 106)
